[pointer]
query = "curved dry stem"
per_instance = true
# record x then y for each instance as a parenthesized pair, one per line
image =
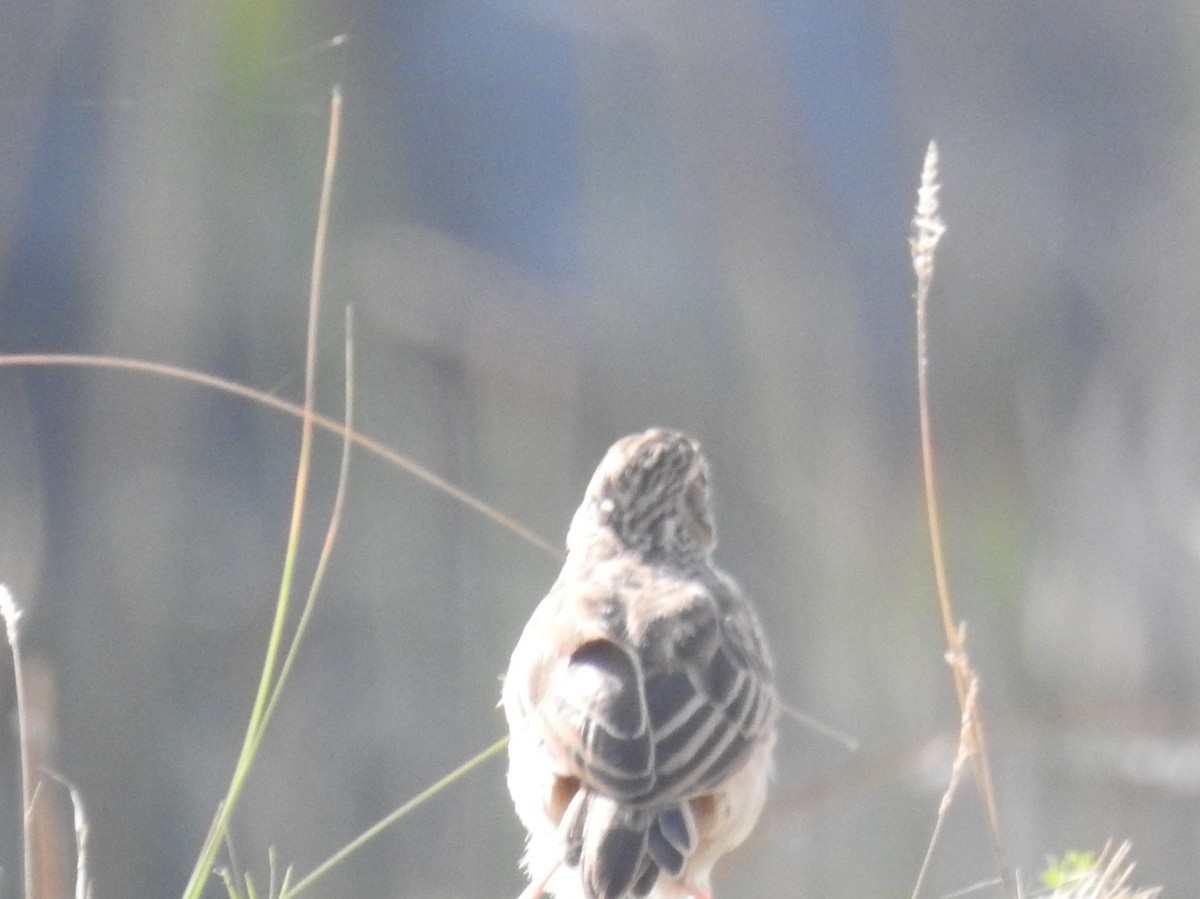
(270, 401)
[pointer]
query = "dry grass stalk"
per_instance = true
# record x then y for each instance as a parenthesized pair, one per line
(927, 231)
(11, 613)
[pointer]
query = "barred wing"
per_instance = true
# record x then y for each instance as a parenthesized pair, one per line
(665, 715)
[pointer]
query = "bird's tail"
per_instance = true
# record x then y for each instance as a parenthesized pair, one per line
(622, 850)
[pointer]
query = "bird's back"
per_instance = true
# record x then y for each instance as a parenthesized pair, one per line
(636, 691)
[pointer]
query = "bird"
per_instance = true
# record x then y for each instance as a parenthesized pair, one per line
(639, 698)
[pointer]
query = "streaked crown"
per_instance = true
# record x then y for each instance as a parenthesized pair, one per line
(651, 493)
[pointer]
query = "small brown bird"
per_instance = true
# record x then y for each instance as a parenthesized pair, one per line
(639, 698)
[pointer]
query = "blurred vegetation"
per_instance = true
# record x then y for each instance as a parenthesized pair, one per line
(559, 224)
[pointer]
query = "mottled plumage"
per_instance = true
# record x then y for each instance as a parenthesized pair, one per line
(639, 698)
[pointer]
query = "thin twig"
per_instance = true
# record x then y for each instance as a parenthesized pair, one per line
(378, 827)
(263, 398)
(83, 883)
(208, 853)
(960, 760)
(974, 888)
(927, 231)
(848, 741)
(11, 613)
(335, 519)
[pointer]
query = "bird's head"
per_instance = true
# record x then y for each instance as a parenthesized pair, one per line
(651, 493)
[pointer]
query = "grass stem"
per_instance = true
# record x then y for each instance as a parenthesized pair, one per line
(927, 231)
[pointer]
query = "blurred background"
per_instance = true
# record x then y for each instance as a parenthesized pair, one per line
(559, 221)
